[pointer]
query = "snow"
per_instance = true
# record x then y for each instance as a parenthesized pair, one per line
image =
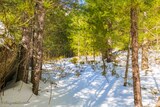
(89, 89)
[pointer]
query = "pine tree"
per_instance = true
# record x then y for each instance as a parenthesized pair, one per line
(135, 67)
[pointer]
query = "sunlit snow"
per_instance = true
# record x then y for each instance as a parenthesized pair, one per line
(90, 89)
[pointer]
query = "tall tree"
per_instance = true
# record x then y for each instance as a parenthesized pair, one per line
(24, 53)
(24, 56)
(80, 35)
(37, 44)
(135, 67)
(56, 41)
(149, 31)
(105, 21)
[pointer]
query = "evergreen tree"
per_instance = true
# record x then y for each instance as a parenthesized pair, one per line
(135, 68)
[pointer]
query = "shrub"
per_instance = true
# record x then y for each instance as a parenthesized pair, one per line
(91, 62)
(82, 62)
(78, 73)
(103, 73)
(74, 60)
(113, 72)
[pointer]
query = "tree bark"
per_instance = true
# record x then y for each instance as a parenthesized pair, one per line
(78, 50)
(24, 56)
(32, 51)
(104, 66)
(135, 67)
(127, 64)
(108, 51)
(94, 55)
(38, 38)
(109, 55)
(145, 55)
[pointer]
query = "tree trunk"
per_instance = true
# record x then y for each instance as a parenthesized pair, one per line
(127, 64)
(32, 52)
(38, 38)
(109, 55)
(23, 68)
(104, 66)
(94, 55)
(109, 43)
(86, 59)
(144, 55)
(108, 51)
(78, 50)
(86, 56)
(32, 70)
(135, 67)
(24, 56)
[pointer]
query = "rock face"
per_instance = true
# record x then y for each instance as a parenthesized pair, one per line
(8, 63)
(8, 56)
(158, 102)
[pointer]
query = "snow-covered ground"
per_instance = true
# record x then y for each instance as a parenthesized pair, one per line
(67, 85)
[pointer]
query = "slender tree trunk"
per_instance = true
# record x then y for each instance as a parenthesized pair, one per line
(32, 70)
(38, 38)
(93, 50)
(127, 64)
(94, 56)
(86, 59)
(109, 43)
(104, 68)
(108, 53)
(104, 65)
(23, 68)
(145, 55)
(135, 67)
(32, 52)
(24, 56)
(78, 50)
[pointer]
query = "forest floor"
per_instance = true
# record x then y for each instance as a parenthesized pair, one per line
(67, 85)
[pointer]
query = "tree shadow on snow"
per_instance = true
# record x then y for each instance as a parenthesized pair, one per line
(101, 94)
